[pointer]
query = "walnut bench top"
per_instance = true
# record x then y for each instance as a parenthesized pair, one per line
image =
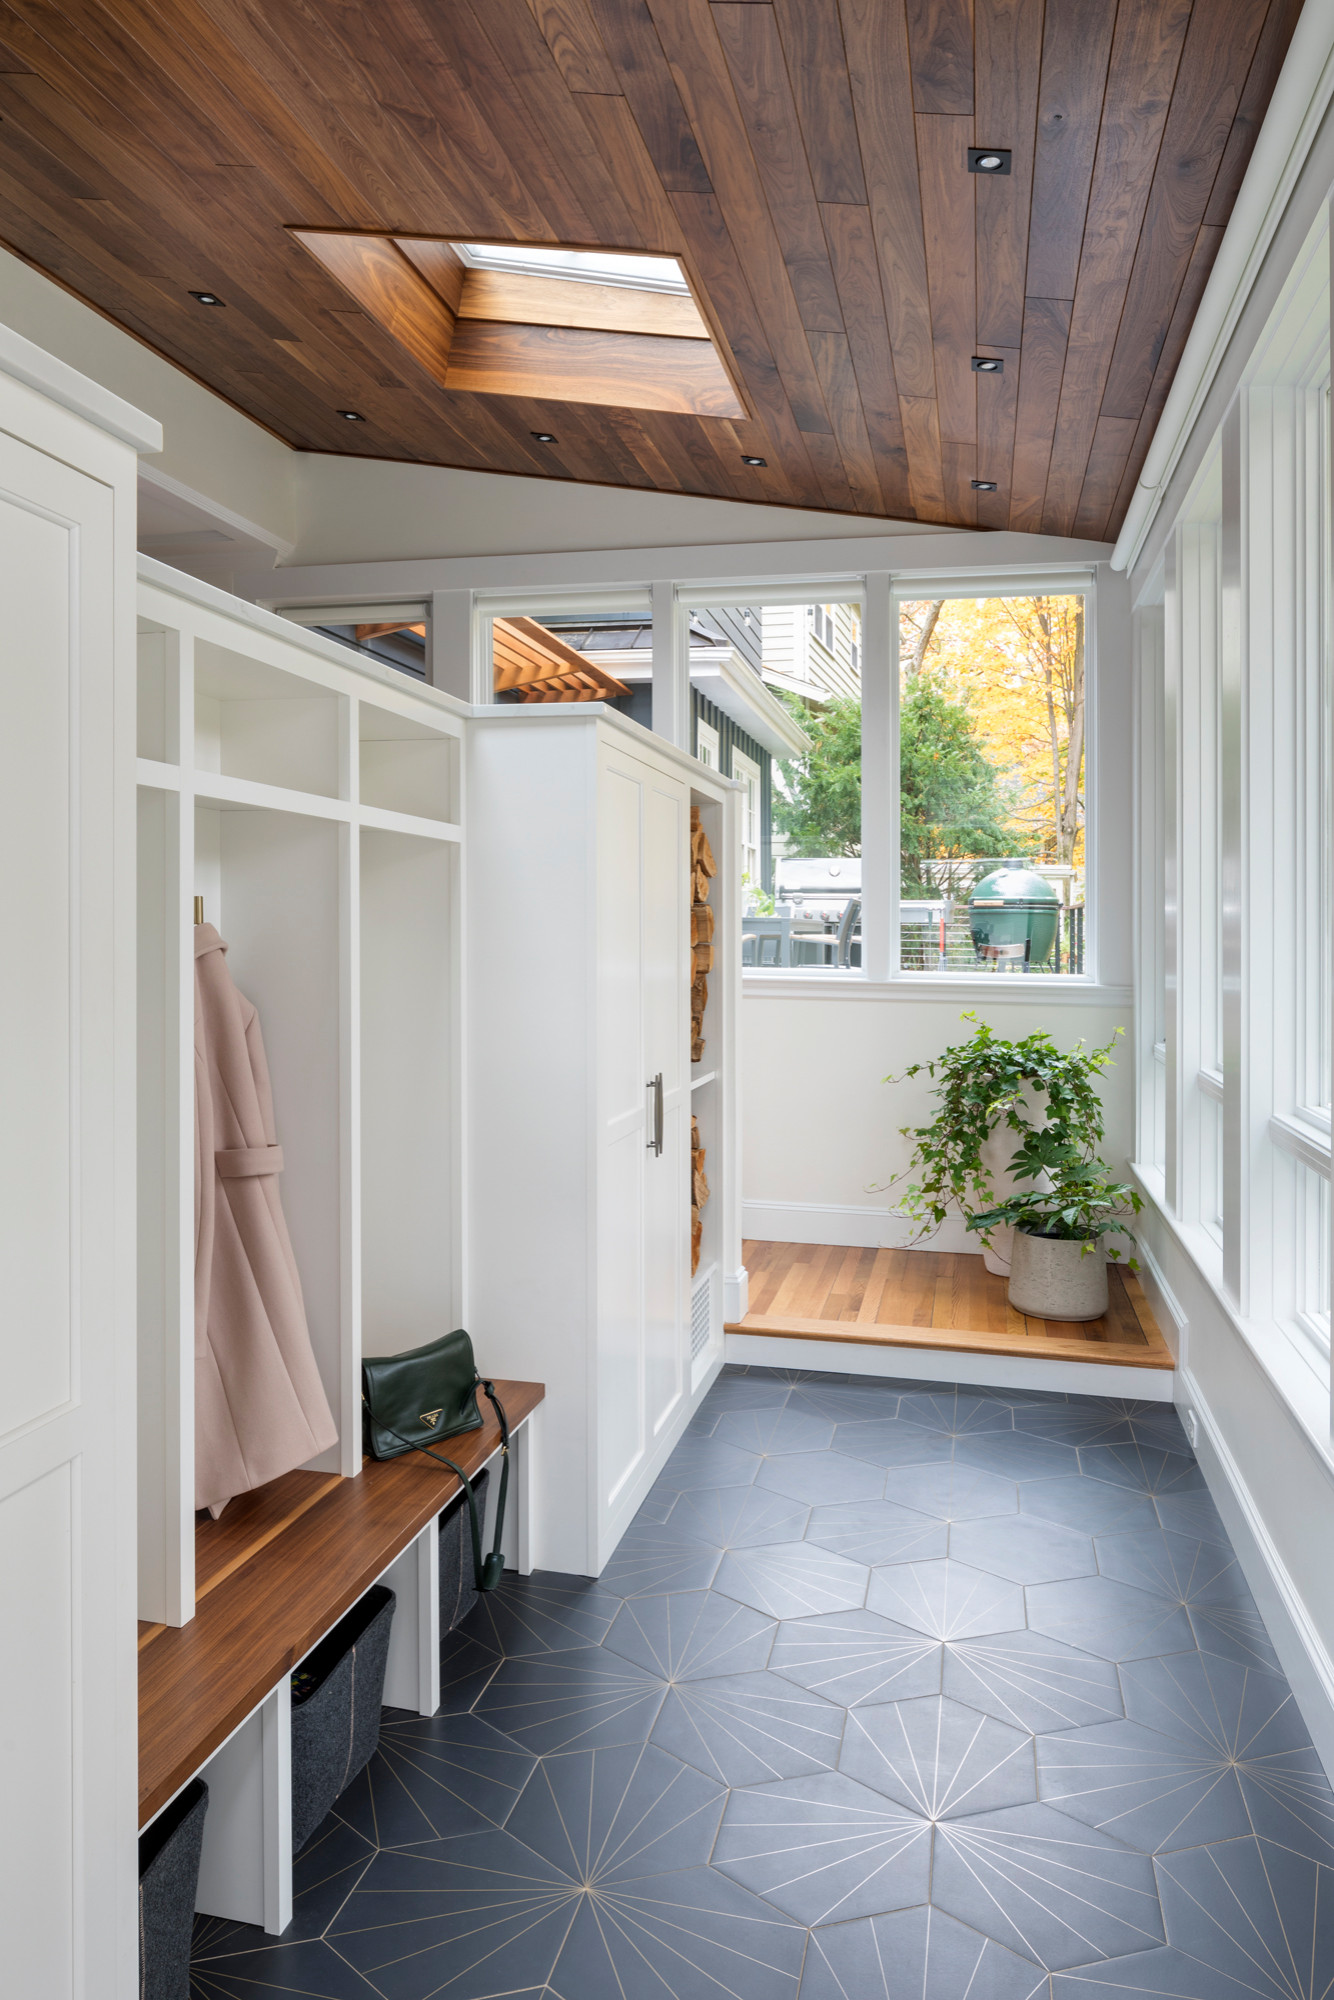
(272, 1575)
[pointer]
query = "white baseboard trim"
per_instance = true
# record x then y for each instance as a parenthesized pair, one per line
(856, 1228)
(736, 1294)
(934, 1364)
(1301, 1651)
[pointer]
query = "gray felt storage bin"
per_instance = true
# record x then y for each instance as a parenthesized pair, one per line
(337, 1693)
(168, 1881)
(458, 1588)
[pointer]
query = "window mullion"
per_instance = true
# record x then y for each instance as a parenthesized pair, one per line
(880, 780)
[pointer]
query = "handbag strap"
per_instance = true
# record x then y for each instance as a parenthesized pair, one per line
(486, 1574)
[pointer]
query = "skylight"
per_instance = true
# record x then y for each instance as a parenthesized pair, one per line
(589, 267)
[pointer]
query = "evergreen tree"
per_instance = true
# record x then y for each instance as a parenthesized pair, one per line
(952, 804)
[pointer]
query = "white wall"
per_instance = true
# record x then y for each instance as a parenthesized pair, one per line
(371, 510)
(820, 1127)
(208, 447)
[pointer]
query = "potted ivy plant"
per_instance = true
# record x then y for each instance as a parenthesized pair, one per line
(1058, 1267)
(988, 1087)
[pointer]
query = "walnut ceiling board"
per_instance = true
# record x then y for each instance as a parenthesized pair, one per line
(804, 159)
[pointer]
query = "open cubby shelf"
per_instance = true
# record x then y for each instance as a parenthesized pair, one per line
(316, 810)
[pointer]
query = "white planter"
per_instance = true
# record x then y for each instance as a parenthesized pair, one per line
(1050, 1279)
(996, 1254)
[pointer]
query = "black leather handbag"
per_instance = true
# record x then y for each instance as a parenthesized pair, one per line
(418, 1399)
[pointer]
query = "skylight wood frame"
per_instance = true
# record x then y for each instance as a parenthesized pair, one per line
(543, 337)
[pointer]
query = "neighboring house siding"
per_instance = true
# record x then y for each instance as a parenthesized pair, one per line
(794, 655)
(731, 737)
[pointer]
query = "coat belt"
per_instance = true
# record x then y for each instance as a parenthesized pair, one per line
(238, 1162)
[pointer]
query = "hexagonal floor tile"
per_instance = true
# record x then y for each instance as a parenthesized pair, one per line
(952, 1492)
(820, 1478)
(1032, 1681)
(1112, 1619)
(947, 1600)
(770, 1432)
(877, 1531)
(891, 1442)
(1023, 1549)
(856, 1656)
(792, 1579)
(916, 1954)
(1143, 1468)
(1090, 1505)
(824, 1848)
(1147, 1789)
(1045, 1886)
(744, 1729)
(737, 1517)
(939, 1758)
(689, 1635)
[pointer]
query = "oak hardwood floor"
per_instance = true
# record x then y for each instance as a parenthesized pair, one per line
(930, 1298)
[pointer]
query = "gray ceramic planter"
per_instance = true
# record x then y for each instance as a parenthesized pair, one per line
(1051, 1279)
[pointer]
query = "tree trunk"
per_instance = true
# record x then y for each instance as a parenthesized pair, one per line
(918, 654)
(1074, 750)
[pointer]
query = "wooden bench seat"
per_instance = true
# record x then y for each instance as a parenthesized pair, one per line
(278, 1569)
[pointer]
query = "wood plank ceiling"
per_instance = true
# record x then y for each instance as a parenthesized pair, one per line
(804, 158)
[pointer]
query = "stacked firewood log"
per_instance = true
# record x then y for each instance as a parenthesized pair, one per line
(703, 868)
(699, 1194)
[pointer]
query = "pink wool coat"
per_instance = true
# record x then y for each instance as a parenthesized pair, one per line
(260, 1407)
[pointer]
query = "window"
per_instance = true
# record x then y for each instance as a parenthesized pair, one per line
(589, 267)
(751, 811)
(393, 633)
(822, 624)
(706, 746)
(993, 716)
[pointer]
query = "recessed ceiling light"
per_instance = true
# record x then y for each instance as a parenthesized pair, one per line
(353, 416)
(988, 160)
(984, 486)
(748, 458)
(987, 364)
(544, 437)
(206, 298)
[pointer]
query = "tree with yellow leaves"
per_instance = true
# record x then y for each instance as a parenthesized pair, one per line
(1017, 665)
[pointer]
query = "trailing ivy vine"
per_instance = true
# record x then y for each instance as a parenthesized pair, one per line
(982, 1084)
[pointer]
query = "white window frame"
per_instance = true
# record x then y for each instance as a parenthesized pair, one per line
(751, 777)
(706, 745)
(883, 952)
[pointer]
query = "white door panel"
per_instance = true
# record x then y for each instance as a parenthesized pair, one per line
(620, 1347)
(67, 1654)
(620, 948)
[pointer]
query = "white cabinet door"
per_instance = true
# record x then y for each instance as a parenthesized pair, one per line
(67, 1655)
(644, 1109)
(622, 1125)
(666, 1049)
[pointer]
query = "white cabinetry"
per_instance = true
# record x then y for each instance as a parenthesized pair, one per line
(67, 1662)
(314, 801)
(579, 1088)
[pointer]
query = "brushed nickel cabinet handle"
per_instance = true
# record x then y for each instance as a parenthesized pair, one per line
(654, 1145)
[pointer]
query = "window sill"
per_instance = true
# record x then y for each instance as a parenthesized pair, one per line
(811, 982)
(1285, 1354)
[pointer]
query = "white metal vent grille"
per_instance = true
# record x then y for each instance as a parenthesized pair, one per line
(701, 1315)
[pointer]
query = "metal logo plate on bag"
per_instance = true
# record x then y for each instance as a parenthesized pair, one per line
(429, 1417)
